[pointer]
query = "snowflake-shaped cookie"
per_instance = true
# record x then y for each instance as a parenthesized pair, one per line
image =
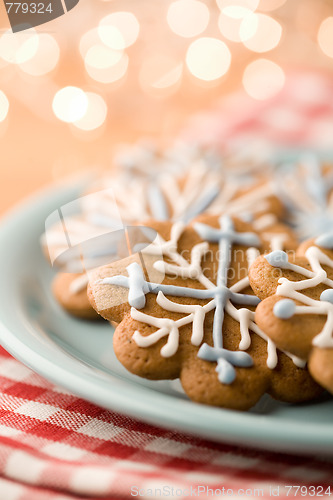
(195, 320)
(306, 188)
(175, 185)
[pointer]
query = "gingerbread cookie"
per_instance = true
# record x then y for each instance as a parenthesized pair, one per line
(73, 246)
(201, 183)
(185, 309)
(70, 291)
(297, 310)
(175, 185)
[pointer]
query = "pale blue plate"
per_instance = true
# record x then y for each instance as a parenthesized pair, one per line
(78, 355)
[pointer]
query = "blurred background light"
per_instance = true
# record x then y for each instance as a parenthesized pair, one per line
(262, 79)
(111, 37)
(260, 33)
(160, 74)
(100, 57)
(70, 104)
(248, 27)
(109, 67)
(87, 40)
(119, 30)
(269, 5)
(247, 4)
(230, 21)
(188, 18)
(325, 36)
(236, 11)
(45, 59)
(153, 65)
(18, 48)
(27, 50)
(4, 106)
(208, 58)
(95, 115)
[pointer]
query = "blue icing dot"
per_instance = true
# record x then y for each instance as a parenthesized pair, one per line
(226, 372)
(325, 240)
(284, 309)
(327, 296)
(278, 258)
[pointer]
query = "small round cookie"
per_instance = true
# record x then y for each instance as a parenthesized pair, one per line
(63, 245)
(76, 301)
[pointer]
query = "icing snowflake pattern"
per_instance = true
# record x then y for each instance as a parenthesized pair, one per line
(291, 290)
(221, 299)
(307, 190)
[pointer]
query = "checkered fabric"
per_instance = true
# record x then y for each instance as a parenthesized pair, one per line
(56, 446)
(301, 115)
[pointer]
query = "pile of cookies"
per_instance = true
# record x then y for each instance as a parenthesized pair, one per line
(196, 258)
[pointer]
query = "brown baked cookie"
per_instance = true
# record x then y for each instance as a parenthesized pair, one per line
(297, 310)
(62, 245)
(70, 290)
(184, 311)
(275, 235)
(256, 199)
(164, 194)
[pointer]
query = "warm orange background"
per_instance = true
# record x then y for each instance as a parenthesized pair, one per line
(36, 152)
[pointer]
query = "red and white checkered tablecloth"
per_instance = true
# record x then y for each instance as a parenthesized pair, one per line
(55, 446)
(300, 115)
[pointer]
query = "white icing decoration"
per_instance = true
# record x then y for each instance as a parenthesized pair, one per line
(293, 289)
(306, 187)
(254, 201)
(184, 269)
(170, 328)
(187, 177)
(181, 267)
(277, 240)
(264, 222)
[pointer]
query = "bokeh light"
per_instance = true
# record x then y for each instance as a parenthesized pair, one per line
(260, 33)
(108, 67)
(18, 48)
(87, 40)
(46, 57)
(325, 36)
(208, 58)
(100, 57)
(269, 5)
(188, 18)
(119, 30)
(95, 115)
(111, 37)
(247, 4)
(70, 104)
(4, 106)
(230, 21)
(262, 79)
(160, 74)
